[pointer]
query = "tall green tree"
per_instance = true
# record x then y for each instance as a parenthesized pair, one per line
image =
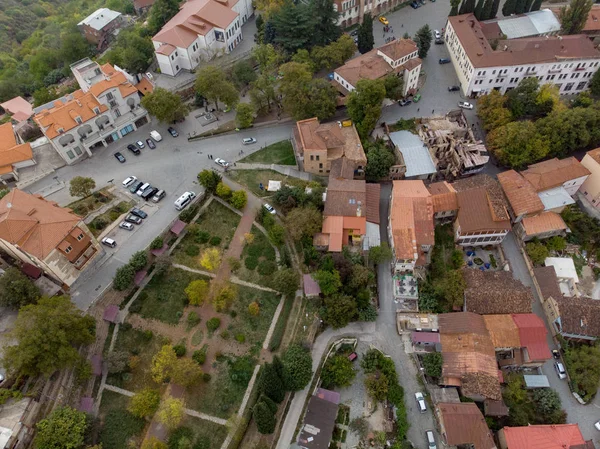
(573, 17)
(160, 13)
(16, 289)
(244, 115)
(528, 4)
(264, 417)
(364, 105)
(595, 83)
(297, 367)
(495, 6)
(340, 310)
(468, 6)
(263, 93)
(165, 105)
(521, 101)
(520, 6)
(64, 428)
(366, 41)
(81, 186)
(486, 12)
(243, 74)
(479, 9)
(212, 84)
(209, 179)
(271, 381)
(518, 144)
(294, 26)
(454, 4)
(509, 7)
(379, 161)
(537, 4)
(46, 337)
(423, 40)
(303, 96)
(326, 29)
(338, 371)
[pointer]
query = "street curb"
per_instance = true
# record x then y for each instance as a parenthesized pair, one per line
(272, 123)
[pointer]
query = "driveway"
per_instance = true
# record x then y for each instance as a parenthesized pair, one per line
(584, 415)
(172, 166)
(383, 335)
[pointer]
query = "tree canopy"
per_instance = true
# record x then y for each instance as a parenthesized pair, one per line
(212, 84)
(366, 41)
(81, 186)
(16, 289)
(47, 336)
(165, 105)
(64, 428)
(573, 16)
(297, 368)
(364, 105)
(423, 40)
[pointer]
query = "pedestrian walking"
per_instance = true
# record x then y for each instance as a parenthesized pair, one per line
(418, 109)
(432, 111)
(208, 156)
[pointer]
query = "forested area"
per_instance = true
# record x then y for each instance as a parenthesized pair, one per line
(39, 39)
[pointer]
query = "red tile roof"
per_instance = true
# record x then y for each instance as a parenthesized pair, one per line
(542, 223)
(554, 172)
(522, 197)
(533, 333)
(557, 436)
(464, 424)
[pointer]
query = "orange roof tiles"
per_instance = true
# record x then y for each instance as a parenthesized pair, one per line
(113, 79)
(554, 172)
(475, 212)
(511, 52)
(166, 49)
(63, 116)
(145, 86)
(10, 152)
(336, 140)
(465, 425)
(521, 195)
(33, 223)
(7, 137)
(398, 49)
(532, 333)
(503, 331)
(556, 436)
(411, 217)
(443, 197)
(195, 18)
(334, 227)
(542, 223)
(20, 108)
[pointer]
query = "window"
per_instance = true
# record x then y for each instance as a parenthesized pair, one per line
(70, 154)
(312, 157)
(318, 157)
(569, 86)
(96, 111)
(78, 151)
(109, 96)
(351, 201)
(321, 165)
(177, 67)
(68, 249)
(80, 237)
(78, 120)
(117, 113)
(580, 86)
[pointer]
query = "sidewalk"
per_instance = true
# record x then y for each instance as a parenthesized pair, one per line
(288, 170)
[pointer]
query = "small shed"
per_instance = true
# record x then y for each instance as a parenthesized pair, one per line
(427, 339)
(311, 288)
(178, 227)
(536, 381)
(111, 313)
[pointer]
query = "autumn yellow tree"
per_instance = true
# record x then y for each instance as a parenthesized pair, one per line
(224, 298)
(196, 292)
(162, 364)
(153, 443)
(186, 373)
(253, 308)
(170, 412)
(144, 403)
(249, 237)
(211, 259)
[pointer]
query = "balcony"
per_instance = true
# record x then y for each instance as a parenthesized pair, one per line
(579, 69)
(85, 257)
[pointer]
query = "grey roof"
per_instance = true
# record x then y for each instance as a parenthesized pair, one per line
(416, 154)
(536, 381)
(319, 422)
(556, 197)
(100, 18)
(536, 23)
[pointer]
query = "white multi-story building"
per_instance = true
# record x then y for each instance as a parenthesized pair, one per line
(201, 30)
(106, 109)
(483, 64)
(399, 57)
(353, 11)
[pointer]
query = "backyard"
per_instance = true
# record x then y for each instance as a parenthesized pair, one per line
(252, 179)
(215, 229)
(280, 153)
(118, 425)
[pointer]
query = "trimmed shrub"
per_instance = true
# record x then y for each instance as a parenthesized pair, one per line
(202, 237)
(251, 262)
(188, 214)
(213, 324)
(193, 319)
(199, 357)
(215, 240)
(206, 377)
(225, 335)
(179, 350)
(240, 338)
(148, 335)
(157, 243)
(266, 267)
(136, 307)
(255, 250)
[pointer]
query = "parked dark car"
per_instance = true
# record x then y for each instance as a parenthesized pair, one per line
(135, 150)
(135, 186)
(444, 60)
(149, 193)
(414, 5)
(150, 144)
(139, 213)
(172, 131)
(120, 157)
(133, 219)
(453, 88)
(404, 102)
(439, 41)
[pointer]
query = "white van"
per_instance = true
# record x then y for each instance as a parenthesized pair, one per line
(430, 439)
(155, 135)
(184, 200)
(421, 402)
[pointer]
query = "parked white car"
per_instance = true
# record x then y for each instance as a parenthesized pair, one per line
(465, 105)
(270, 209)
(249, 141)
(129, 181)
(221, 162)
(109, 242)
(560, 370)
(125, 225)
(421, 402)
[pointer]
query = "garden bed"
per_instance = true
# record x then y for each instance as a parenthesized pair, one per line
(91, 203)
(258, 260)
(143, 346)
(281, 153)
(118, 425)
(215, 229)
(102, 221)
(252, 179)
(164, 297)
(203, 434)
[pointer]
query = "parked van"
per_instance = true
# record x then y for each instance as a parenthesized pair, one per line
(430, 439)
(158, 196)
(421, 402)
(155, 135)
(184, 200)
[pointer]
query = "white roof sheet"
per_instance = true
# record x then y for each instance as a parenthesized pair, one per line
(557, 197)
(529, 24)
(100, 18)
(5, 434)
(274, 186)
(373, 237)
(564, 267)
(536, 381)
(416, 154)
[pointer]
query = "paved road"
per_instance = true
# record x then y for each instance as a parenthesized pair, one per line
(586, 415)
(173, 166)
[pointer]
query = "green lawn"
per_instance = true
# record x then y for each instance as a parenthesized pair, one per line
(258, 260)
(203, 434)
(252, 178)
(220, 397)
(164, 298)
(280, 153)
(139, 345)
(118, 425)
(218, 221)
(254, 328)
